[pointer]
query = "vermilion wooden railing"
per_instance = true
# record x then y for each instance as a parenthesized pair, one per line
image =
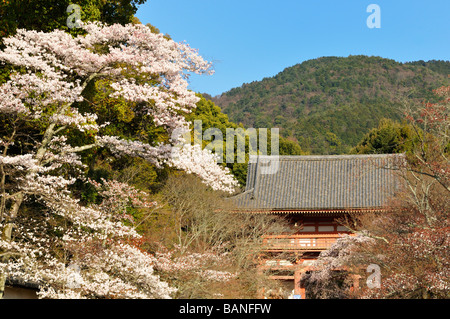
(299, 242)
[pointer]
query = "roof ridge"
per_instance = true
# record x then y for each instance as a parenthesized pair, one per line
(325, 157)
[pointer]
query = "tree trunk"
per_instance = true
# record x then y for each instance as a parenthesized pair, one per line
(425, 293)
(7, 235)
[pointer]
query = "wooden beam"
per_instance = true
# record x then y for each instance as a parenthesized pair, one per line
(281, 277)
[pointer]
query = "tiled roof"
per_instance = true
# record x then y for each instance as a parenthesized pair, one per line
(319, 182)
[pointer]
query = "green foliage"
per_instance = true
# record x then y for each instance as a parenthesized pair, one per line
(389, 137)
(289, 147)
(47, 15)
(327, 104)
(212, 117)
(438, 66)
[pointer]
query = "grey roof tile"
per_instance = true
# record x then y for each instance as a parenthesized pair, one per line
(319, 182)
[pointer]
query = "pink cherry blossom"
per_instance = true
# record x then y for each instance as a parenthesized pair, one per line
(72, 250)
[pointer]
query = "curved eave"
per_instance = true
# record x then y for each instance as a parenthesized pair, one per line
(312, 211)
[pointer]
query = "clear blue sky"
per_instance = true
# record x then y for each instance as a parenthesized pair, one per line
(248, 40)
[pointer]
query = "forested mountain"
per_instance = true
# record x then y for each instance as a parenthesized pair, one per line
(328, 104)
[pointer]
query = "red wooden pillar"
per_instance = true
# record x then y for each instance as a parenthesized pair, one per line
(354, 288)
(299, 289)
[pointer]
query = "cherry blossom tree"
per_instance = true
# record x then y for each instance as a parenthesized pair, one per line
(196, 274)
(330, 276)
(44, 132)
(74, 251)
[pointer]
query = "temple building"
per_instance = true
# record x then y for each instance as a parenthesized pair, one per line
(313, 193)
